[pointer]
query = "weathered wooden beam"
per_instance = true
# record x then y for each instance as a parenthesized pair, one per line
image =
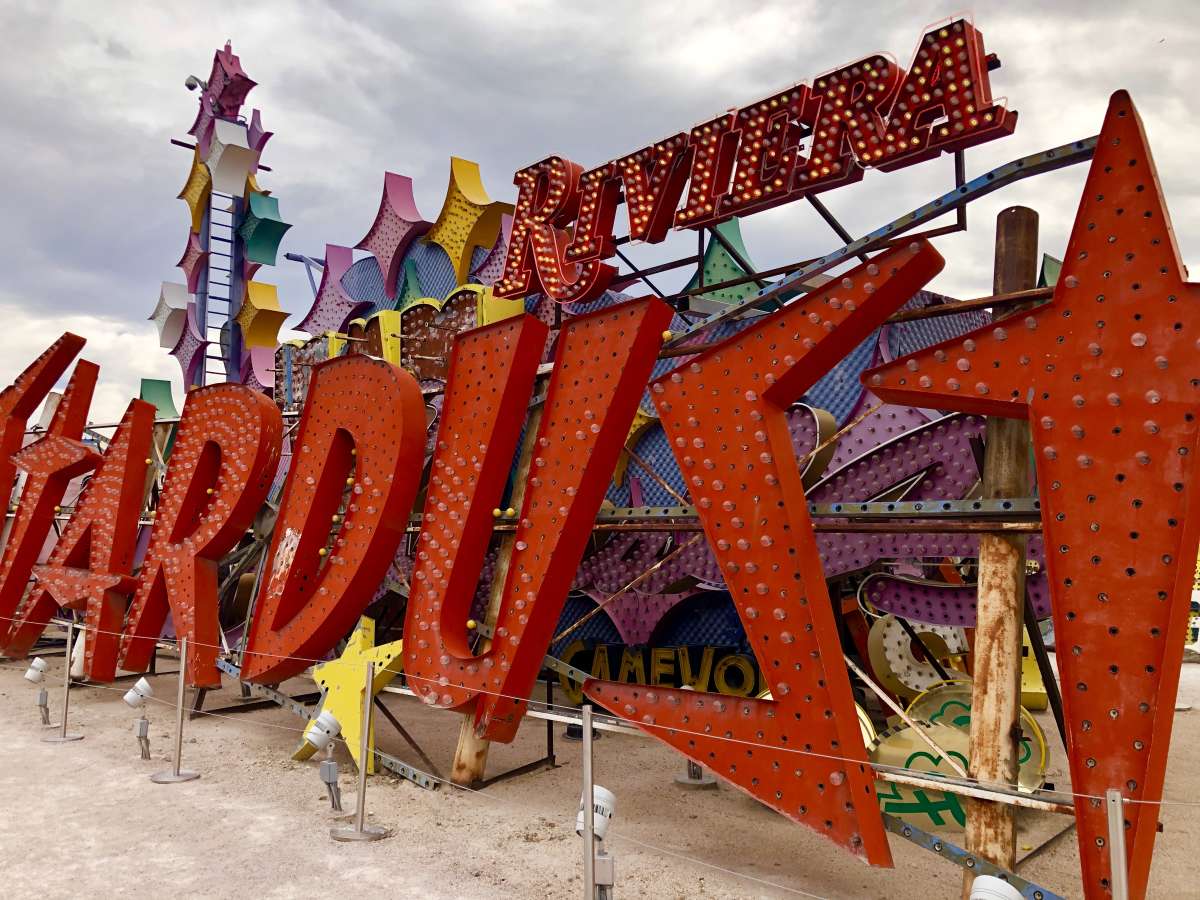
(470, 757)
(996, 692)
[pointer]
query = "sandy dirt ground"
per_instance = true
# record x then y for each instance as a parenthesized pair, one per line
(84, 819)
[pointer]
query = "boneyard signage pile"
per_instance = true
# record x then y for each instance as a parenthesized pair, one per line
(398, 406)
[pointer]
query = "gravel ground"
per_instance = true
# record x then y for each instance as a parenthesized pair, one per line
(85, 820)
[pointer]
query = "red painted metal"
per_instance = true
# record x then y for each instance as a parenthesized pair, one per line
(20, 399)
(91, 566)
(548, 198)
(1106, 374)
(225, 456)
(600, 371)
(725, 415)
(345, 507)
(50, 463)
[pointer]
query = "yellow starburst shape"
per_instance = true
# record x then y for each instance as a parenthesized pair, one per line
(196, 191)
(469, 217)
(260, 316)
(343, 680)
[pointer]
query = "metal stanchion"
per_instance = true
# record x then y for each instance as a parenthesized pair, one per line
(62, 737)
(43, 702)
(177, 774)
(589, 809)
(360, 830)
(1116, 844)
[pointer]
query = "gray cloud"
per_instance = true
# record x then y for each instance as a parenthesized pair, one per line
(93, 92)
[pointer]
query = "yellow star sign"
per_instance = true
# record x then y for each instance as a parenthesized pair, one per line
(260, 315)
(342, 681)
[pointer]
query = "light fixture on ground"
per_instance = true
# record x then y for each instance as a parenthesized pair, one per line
(322, 730)
(36, 671)
(320, 734)
(988, 887)
(137, 695)
(136, 698)
(599, 869)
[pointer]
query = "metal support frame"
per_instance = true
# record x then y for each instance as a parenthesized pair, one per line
(1018, 169)
(537, 765)
(177, 775)
(1118, 861)
(971, 864)
(589, 808)
(360, 830)
(295, 706)
(63, 737)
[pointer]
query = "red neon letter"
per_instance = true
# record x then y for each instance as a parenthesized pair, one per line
(654, 179)
(847, 128)
(90, 567)
(51, 462)
(547, 202)
(226, 453)
(768, 152)
(725, 413)
(600, 371)
(714, 148)
(945, 101)
(1106, 374)
(361, 444)
(21, 398)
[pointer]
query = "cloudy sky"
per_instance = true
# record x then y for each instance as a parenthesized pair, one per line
(93, 92)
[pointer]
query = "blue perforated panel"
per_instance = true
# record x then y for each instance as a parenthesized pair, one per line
(656, 451)
(908, 337)
(434, 269)
(707, 619)
(599, 629)
(478, 255)
(839, 388)
(363, 281)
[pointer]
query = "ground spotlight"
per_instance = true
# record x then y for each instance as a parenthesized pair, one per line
(137, 695)
(322, 730)
(36, 671)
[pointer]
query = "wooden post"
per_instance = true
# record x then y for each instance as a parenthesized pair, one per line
(470, 757)
(996, 693)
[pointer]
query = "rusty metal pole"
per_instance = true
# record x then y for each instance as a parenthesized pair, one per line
(996, 693)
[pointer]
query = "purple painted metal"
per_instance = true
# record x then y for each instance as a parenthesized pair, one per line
(189, 349)
(194, 261)
(397, 224)
(332, 307)
(937, 603)
(492, 267)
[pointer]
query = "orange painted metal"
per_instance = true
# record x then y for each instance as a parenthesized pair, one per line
(225, 455)
(20, 399)
(725, 415)
(91, 566)
(599, 374)
(50, 463)
(1106, 373)
(345, 507)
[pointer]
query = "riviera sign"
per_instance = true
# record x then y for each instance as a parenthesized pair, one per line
(809, 138)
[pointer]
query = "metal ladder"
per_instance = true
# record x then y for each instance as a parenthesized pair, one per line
(216, 305)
